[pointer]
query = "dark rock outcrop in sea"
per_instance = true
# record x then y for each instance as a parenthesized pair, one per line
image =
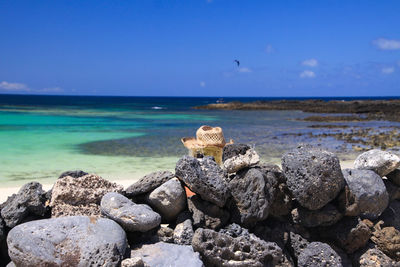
(310, 213)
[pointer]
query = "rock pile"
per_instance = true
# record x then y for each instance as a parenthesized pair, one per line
(245, 213)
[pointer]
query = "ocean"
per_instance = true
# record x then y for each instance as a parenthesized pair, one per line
(127, 137)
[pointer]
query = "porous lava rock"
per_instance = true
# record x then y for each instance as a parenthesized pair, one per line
(73, 174)
(350, 233)
(80, 196)
(67, 241)
(381, 162)
(387, 239)
(165, 254)
(314, 176)
(134, 262)
(169, 199)
(206, 214)
(236, 163)
(252, 194)
(183, 233)
(233, 150)
(29, 201)
(326, 216)
(148, 183)
(203, 177)
(131, 216)
(219, 249)
(365, 194)
(318, 254)
(372, 256)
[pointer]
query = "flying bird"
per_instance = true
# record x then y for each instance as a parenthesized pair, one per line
(237, 62)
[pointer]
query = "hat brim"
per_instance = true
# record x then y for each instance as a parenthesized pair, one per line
(193, 143)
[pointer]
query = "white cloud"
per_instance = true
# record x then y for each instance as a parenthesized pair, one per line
(13, 86)
(245, 70)
(307, 74)
(21, 87)
(388, 70)
(387, 44)
(312, 62)
(203, 84)
(50, 90)
(269, 49)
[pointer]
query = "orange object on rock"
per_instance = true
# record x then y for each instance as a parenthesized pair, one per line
(189, 193)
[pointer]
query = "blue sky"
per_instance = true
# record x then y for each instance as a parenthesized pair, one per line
(187, 48)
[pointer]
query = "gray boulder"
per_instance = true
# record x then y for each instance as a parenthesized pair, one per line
(365, 194)
(67, 241)
(206, 214)
(318, 254)
(297, 244)
(326, 216)
(30, 200)
(203, 177)
(169, 199)
(314, 176)
(183, 233)
(236, 163)
(381, 162)
(131, 216)
(394, 177)
(252, 193)
(392, 189)
(219, 249)
(233, 150)
(148, 183)
(73, 174)
(164, 254)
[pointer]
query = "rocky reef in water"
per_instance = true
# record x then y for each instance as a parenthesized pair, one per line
(310, 212)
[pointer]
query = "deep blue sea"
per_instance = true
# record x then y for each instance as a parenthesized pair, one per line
(127, 137)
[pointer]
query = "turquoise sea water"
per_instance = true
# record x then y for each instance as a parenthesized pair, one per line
(127, 137)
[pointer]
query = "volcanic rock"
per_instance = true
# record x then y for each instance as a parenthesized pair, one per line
(183, 233)
(387, 240)
(391, 216)
(73, 174)
(233, 150)
(365, 194)
(206, 214)
(205, 178)
(314, 176)
(148, 183)
(374, 257)
(169, 199)
(30, 200)
(394, 177)
(67, 241)
(131, 216)
(224, 250)
(350, 233)
(236, 163)
(392, 189)
(80, 196)
(297, 244)
(381, 162)
(252, 194)
(326, 216)
(164, 254)
(318, 254)
(134, 262)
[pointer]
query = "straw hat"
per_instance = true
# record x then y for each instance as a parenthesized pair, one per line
(206, 136)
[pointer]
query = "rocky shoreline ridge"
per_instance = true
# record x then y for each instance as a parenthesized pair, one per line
(361, 109)
(310, 212)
